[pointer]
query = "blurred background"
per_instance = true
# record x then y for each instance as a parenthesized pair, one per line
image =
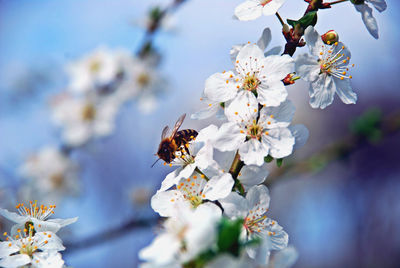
(337, 197)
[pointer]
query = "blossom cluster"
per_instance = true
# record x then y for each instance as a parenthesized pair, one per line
(33, 240)
(215, 202)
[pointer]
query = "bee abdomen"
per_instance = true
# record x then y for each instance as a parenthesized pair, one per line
(185, 135)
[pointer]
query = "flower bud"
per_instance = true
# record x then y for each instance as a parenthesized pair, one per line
(285, 28)
(330, 37)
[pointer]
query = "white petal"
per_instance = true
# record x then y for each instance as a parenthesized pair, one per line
(163, 202)
(207, 133)
(273, 51)
(300, 133)
(279, 240)
(15, 261)
(218, 187)
(235, 205)
(63, 222)
(368, 19)
(171, 180)
(207, 112)
(271, 94)
(229, 137)
(380, 5)
(307, 67)
(265, 39)
(249, 59)
(280, 116)
(280, 142)
(252, 152)
(234, 52)
(249, 10)
(272, 7)
(243, 108)
(187, 171)
(6, 250)
(217, 89)
(161, 251)
(53, 241)
(344, 91)
(322, 92)
(277, 67)
(12, 216)
(251, 175)
(44, 226)
(47, 259)
(313, 40)
(258, 196)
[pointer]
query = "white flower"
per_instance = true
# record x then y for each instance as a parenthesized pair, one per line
(254, 73)
(50, 173)
(37, 215)
(140, 82)
(192, 192)
(327, 70)
(256, 138)
(84, 118)
(252, 9)
(97, 69)
(366, 14)
(37, 249)
(262, 43)
(186, 234)
(256, 224)
(197, 154)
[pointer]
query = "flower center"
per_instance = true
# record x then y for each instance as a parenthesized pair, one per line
(254, 224)
(88, 112)
(254, 130)
(143, 79)
(94, 66)
(251, 82)
(35, 211)
(334, 64)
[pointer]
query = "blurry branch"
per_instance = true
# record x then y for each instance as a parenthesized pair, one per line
(107, 235)
(156, 17)
(369, 128)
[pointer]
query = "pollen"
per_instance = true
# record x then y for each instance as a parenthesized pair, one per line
(170, 165)
(236, 113)
(255, 110)
(227, 81)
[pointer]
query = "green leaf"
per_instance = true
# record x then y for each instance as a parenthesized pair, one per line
(228, 237)
(279, 162)
(268, 159)
(309, 19)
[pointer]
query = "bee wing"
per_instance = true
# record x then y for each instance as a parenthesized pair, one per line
(164, 132)
(178, 125)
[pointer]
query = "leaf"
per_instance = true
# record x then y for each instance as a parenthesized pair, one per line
(279, 162)
(268, 159)
(309, 19)
(229, 234)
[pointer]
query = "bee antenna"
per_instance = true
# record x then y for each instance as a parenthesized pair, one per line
(155, 162)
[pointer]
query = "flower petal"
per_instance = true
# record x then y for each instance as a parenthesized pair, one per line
(368, 19)
(277, 67)
(313, 40)
(300, 133)
(12, 216)
(235, 205)
(163, 202)
(18, 260)
(322, 92)
(380, 5)
(307, 67)
(271, 94)
(272, 7)
(251, 175)
(248, 58)
(265, 39)
(249, 10)
(229, 137)
(243, 108)
(280, 142)
(252, 152)
(281, 116)
(218, 187)
(220, 87)
(344, 91)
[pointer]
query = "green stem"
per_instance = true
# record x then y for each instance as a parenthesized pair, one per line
(280, 18)
(236, 166)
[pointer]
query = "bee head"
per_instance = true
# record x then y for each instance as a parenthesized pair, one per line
(165, 151)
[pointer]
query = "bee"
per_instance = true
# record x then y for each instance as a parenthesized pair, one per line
(175, 141)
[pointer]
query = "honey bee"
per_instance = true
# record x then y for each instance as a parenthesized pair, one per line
(176, 140)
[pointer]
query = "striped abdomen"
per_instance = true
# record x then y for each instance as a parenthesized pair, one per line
(182, 137)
